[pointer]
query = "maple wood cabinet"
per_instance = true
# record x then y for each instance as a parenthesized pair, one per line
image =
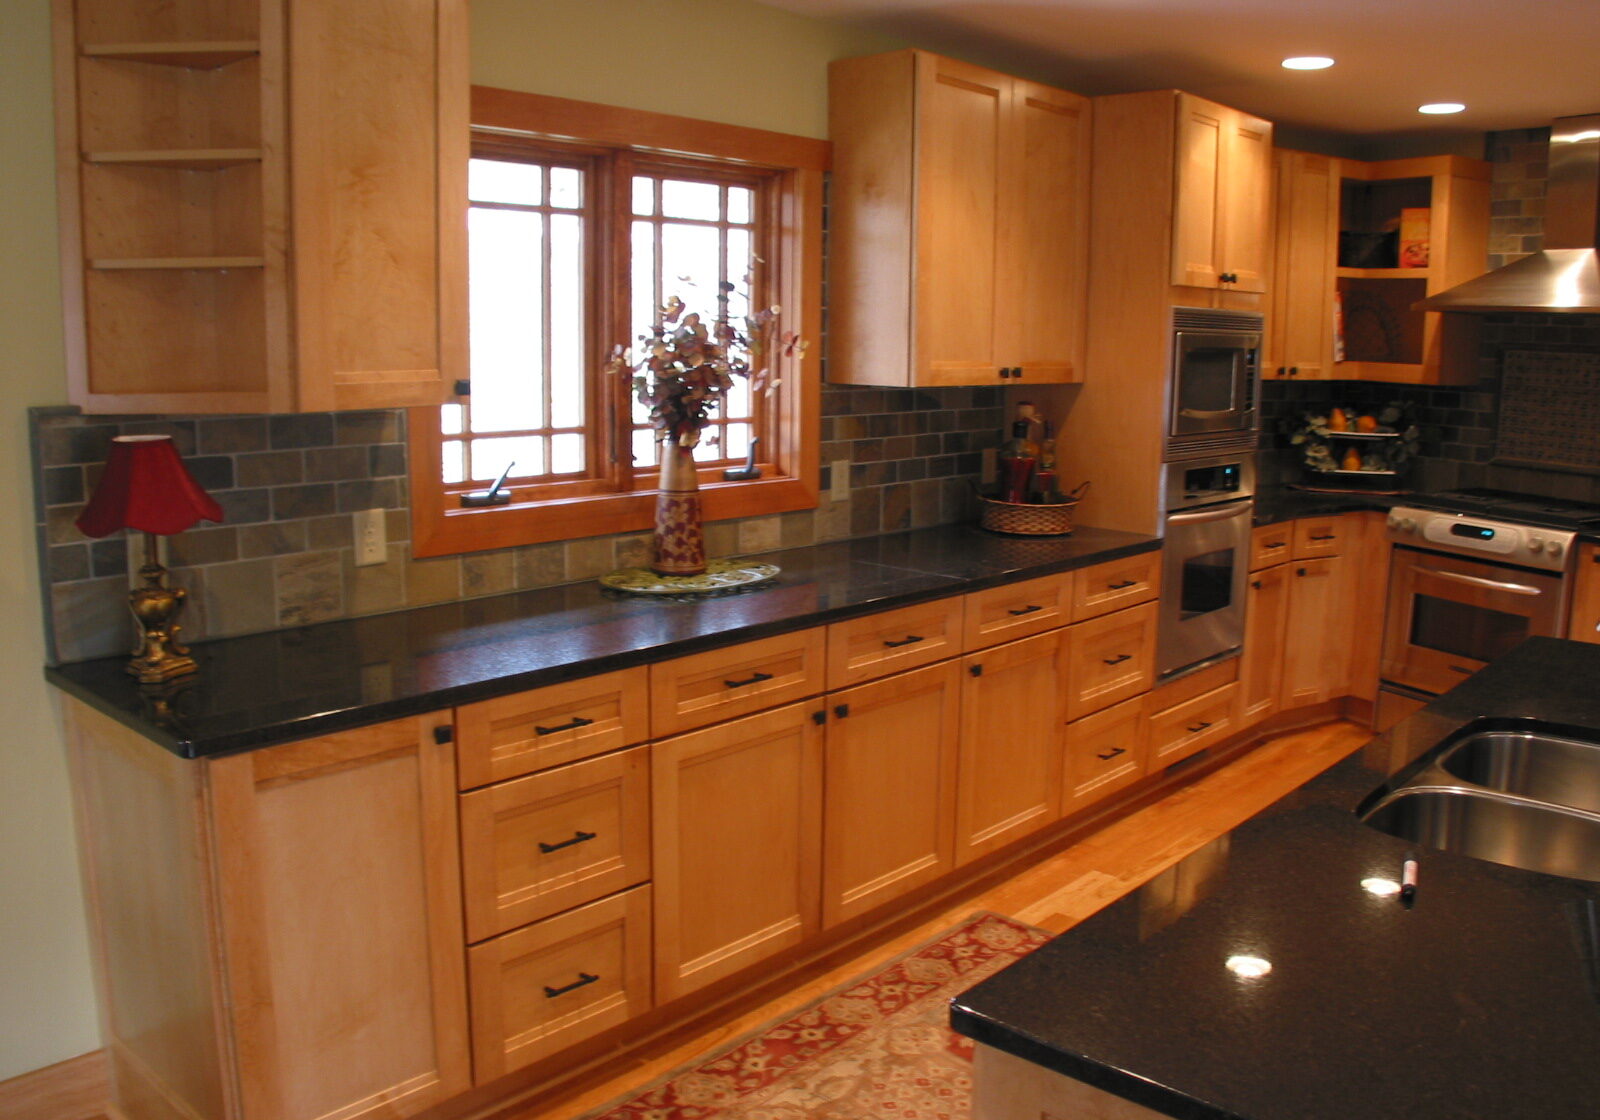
(262, 203)
(959, 208)
(1223, 186)
(1584, 625)
(1261, 665)
(1299, 341)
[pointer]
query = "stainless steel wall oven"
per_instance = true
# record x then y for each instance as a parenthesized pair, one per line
(1205, 562)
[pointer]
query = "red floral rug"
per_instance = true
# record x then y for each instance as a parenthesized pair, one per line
(879, 1047)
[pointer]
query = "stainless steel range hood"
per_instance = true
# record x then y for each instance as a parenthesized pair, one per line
(1566, 275)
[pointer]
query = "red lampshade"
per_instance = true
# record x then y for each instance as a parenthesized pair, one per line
(146, 487)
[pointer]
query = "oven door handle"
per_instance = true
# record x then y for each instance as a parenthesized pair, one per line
(1199, 516)
(1479, 581)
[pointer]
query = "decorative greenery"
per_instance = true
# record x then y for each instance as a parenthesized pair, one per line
(1317, 434)
(685, 366)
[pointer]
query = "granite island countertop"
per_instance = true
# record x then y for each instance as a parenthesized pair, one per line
(263, 689)
(1482, 999)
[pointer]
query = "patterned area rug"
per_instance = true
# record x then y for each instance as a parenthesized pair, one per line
(878, 1047)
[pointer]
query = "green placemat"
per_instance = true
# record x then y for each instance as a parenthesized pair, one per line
(720, 575)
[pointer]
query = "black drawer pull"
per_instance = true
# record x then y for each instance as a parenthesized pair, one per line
(584, 978)
(1325, 537)
(1276, 544)
(1255, 583)
(975, 670)
(1120, 586)
(578, 839)
(1460, 669)
(909, 639)
(1111, 754)
(1025, 610)
(755, 679)
(1200, 726)
(1299, 571)
(577, 721)
(1118, 659)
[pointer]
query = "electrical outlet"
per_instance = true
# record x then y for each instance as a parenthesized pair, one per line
(372, 544)
(840, 491)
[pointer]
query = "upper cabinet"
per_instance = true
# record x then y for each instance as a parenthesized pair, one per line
(958, 219)
(263, 203)
(1299, 341)
(1220, 236)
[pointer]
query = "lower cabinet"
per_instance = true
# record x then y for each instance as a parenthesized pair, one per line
(1261, 670)
(1318, 636)
(1192, 726)
(1106, 752)
(736, 817)
(889, 801)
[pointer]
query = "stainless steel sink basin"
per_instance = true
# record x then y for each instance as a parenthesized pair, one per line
(1494, 826)
(1533, 764)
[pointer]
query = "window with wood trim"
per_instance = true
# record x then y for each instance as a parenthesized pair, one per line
(583, 219)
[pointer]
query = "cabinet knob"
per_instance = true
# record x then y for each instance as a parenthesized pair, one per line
(1255, 583)
(1294, 371)
(975, 670)
(445, 734)
(841, 710)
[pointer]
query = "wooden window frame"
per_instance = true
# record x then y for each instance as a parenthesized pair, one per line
(790, 469)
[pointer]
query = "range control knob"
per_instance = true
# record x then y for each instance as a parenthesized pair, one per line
(1536, 544)
(1408, 524)
(1555, 550)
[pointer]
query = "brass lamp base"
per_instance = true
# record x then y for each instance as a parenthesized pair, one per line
(158, 656)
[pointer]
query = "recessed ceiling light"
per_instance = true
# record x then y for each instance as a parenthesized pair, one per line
(1307, 62)
(1248, 967)
(1440, 108)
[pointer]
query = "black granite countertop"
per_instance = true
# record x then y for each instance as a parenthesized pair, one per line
(1285, 503)
(1482, 999)
(270, 688)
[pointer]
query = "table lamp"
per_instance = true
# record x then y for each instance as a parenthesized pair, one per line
(146, 487)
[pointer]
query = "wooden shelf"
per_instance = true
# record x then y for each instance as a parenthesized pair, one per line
(183, 159)
(188, 55)
(1362, 435)
(1381, 273)
(111, 264)
(1405, 372)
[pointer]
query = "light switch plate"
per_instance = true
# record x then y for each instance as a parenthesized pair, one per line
(372, 544)
(840, 491)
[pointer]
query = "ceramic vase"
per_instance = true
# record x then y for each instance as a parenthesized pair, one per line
(679, 547)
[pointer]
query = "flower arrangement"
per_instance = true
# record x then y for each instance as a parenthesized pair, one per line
(1321, 451)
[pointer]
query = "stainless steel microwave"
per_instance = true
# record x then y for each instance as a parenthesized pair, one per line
(1216, 359)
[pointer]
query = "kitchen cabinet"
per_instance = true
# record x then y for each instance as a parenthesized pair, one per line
(247, 187)
(1109, 659)
(1271, 544)
(1299, 341)
(1317, 646)
(1105, 752)
(737, 839)
(1194, 725)
(693, 691)
(1222, 196)
(1383, 338)
(1585, 619)
(958, 224)
(890, 788)
(1266, 620)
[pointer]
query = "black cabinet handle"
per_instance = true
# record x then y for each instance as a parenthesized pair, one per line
(1117, 660)
(909, 639)
(1120, 586)
(1016, 371)
(1299, 571)
(1255, 583)
(1024, 610)
(841, 710)
(1460, 669)
(1111, 754)
(1294, 371)
(576, 721)
(443, 735)
(975, 670)
(756, 678)
(1229, 277)
(819, 718)
(1276, 544)
(583, 979)
(1280, 371)
(556, 847)
(1200, 726)
(1005, 371)
(1325, 537)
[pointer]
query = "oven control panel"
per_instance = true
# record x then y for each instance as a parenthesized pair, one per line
(1530, 546)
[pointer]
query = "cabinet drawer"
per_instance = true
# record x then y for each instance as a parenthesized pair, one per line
(1116, 584)
(1271, 544)
(543, 987)
(691, 692)
(1193, 726)
(543, 727)
(1110, 658)
(544, 843)
(1318, 536)
(876, 645)
(1106, 751)
(1016, 611)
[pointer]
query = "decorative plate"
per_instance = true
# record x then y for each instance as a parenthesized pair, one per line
(720, 575)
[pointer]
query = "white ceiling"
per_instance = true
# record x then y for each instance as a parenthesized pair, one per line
(1515, 63)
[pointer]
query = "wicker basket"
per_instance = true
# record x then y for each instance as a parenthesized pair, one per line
(1052, 519)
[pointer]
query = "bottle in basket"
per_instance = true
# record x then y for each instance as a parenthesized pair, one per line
(1018, 456)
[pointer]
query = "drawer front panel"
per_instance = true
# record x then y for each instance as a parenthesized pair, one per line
(1114, 585)
(541, 988)
(691, 692)
(547, 842)
(544, 727)
(876, 645)
(1271, 544)
(1193, 726)
(1318, 536)
(1016, 611)
(1109, 659)
(1106, 752)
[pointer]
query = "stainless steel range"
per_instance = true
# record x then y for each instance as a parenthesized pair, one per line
(1472, 574)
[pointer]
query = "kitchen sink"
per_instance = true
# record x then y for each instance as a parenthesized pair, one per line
(1493, 826)
(1532, 764)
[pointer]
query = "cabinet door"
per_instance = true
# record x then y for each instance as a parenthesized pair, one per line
(1266, 615)
(1043, 244)
(889, 805)
(737, 826)
(1223, 185)
(1316, 656)
(960, 132)
(1246, 202)
(1585, 625)
(1109, 659)
(1106, 752)
(1300, 329)
(1009, 779)
(341, 923)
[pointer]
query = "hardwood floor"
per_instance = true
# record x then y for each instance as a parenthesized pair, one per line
(1054, 894)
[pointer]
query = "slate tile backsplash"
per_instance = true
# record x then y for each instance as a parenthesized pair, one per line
(284, 555)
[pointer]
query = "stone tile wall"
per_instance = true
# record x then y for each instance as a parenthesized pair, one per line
(284, 556)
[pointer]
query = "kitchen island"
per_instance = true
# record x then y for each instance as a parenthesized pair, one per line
(1263, 979)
